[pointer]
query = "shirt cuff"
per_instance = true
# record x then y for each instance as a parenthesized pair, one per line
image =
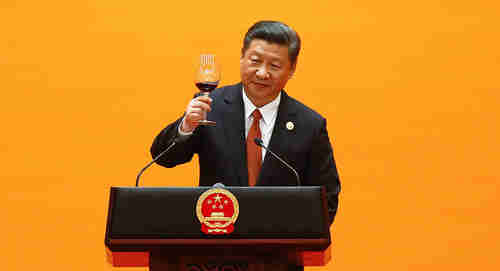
(181, 133)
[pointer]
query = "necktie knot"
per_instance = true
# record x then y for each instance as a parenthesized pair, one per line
(256, 115)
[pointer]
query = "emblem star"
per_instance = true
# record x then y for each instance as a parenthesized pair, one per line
(217, 198)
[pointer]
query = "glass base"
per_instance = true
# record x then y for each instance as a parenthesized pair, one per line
(206, 123)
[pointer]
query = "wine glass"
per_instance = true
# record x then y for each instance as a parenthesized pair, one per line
(207, 78)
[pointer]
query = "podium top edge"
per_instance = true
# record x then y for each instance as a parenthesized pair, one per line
(293, 189)
(312, 187)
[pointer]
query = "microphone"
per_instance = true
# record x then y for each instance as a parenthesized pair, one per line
(176, 140)
(260, 143)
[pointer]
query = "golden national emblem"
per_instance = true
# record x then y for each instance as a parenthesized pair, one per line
(217, 209)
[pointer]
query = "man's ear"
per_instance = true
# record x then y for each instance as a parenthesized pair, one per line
(292, 71)
(242, 55)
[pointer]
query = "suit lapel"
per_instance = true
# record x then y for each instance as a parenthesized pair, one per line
(234, 131)
(280, 139)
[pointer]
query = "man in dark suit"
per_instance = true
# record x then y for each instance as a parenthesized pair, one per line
(227, 152)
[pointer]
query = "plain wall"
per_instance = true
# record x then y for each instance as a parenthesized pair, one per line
(410, 91)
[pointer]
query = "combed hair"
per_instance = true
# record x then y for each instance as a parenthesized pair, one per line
(274, 32)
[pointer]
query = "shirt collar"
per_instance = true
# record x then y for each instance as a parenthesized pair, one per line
(267, 111)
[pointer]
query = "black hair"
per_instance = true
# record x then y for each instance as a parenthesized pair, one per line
(274, 32)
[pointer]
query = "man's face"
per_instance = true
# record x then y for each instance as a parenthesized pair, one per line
(265, 68)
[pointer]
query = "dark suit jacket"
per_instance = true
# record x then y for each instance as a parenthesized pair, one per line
(222, 149)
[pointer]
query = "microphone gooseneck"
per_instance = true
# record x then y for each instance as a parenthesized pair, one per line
(174, 142)
(260, 143)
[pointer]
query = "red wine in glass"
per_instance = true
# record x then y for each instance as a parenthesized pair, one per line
(207, 86)
(206, 79)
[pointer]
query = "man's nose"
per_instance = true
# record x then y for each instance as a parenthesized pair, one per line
(262, 73)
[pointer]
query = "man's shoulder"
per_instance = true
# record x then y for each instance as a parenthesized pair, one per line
(303, 110)
(228, 90)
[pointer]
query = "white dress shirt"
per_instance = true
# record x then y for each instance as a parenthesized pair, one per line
(269, 113)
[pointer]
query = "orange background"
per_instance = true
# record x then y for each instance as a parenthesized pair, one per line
(410, 91)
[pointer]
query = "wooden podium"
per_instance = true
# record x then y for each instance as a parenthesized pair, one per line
(159, 228)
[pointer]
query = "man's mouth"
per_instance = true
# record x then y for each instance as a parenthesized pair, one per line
(259, 84)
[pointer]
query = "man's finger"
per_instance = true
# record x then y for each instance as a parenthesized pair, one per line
(196, 110)
(200, 104)
(204, 99)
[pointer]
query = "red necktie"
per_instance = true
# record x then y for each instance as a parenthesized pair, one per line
(254, 153)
